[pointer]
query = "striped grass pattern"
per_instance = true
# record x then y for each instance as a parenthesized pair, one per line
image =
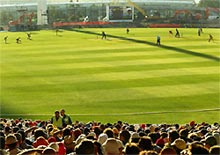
(125, 77)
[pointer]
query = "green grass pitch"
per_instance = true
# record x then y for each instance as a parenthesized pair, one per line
(125, 77)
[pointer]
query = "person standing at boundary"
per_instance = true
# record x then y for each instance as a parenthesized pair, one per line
(6, 39)
(127, 30)
(210, 38)
(103, 35)
(177, 33)
(29, 36)
(65, 118)
(158, 40)
(56, 120)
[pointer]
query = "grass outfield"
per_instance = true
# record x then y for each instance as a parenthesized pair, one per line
(126, 77)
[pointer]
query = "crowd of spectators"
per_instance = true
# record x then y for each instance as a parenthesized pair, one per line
(38, 137)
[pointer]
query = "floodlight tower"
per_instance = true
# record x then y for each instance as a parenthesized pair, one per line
(42, 12)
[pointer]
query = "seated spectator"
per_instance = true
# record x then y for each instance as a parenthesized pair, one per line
(11, 143)
(132, 149)
(197, 149)
(168, 151)
(85, 147)
(214, 150)
(179, 145)
(112, 147)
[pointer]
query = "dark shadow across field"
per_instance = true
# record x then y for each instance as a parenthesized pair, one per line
(153, 44)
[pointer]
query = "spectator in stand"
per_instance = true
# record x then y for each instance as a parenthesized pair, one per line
(198, 149)
(132, 149)
(179, 145)
(85, 147)
(65, 118)
(124, 136)
(112, 147)
(168, 151)
(215, 150)
(56, 120)
(11, 143)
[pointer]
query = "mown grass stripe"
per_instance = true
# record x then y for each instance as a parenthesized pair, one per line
(179, 90)
(102, 85)
(97, 70)
(39, 67)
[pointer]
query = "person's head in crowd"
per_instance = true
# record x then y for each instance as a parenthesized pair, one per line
(210, 141)
(102, 138)
(168, 151)
(183, 133)
(109, 132)
(217, 137)
(39, 133)
(97, 131)
(134, 137)
(66, 132)
(115, 132)
(154, 136)
(69, 143)
(173, 135)
(40, 141)
(179, 145)
(7, 130)
(194, 137)
(124, 136)
(214, 150)
(51, 139)
(77, 132)
(55, 146)
(145, 143)
(198, 149)
(49, 151)
(11, 143)
(160, 142)
(150, 152)
(132, 149)
(19, 138)
(98, 148)
(85, 147)
(112, 146)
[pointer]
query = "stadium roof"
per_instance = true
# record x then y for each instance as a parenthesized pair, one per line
(17, 2)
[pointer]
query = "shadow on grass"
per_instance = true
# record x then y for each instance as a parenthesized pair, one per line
(180, 50)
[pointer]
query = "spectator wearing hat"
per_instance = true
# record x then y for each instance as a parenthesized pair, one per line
(11, 143)
(65, 118)
(179, 145)
(56, 120)
(134, 137)
(112, 147)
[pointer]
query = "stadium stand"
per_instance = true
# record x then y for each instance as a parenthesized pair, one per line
(22, 136)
